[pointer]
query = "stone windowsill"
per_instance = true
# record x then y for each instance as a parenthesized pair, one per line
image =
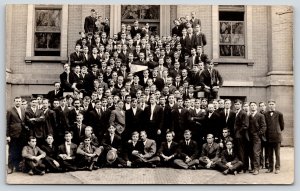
(60, 59)
(249, 62)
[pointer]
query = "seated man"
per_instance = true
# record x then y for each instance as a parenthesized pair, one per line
(132, 146)
(147, 154)
(51, 161)
(33, 157)
(225, 137)
(210, 153)
(87, 154)
(112, 148)
(67, 153)
(229, 160)
(168, 150)
(187, 152)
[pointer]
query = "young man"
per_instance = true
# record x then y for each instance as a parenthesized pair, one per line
(112, 145)
(275, 126)
(210, 153)
(257, 128)
(15, 134)
(168, 150)
(187, 152)
(131, 147)
(33, 156)
(229, 160)
(87, 154)
(67, 153)
(51, 161)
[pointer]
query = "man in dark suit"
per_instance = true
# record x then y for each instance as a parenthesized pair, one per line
(230, 162)
(135, 29)
(180, 120)
(133, 119)
(198, 122)
(176, 30)
(158, 81)
(212, 123)
(78, 129)
(67, 153)
(195, 21)
(187, 152)
(51, 150)
(168, 150)
(34, 119)
(275, 125)
(153, 119)
(67, 79)
(95, 119)
(211, 80)
(210, 153)
(16, 133)
(257, 128)
(50, 123)
(56, 93)
(76, 58)
(228, 117)
(240, 134)
(199, 37)
(62, 118)
(130, 147)
(89, 22)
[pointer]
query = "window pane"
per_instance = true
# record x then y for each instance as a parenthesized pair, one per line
(231, 16)
(140, 11)
(225, 32)
(238, 50)
(47, 40)
(48, 20)
(225, 50)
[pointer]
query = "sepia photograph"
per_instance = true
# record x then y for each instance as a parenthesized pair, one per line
(144, 94)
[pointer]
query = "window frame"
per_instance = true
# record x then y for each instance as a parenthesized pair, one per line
(31, 31)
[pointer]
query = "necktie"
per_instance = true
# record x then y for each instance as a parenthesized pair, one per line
(226, 114)
(187, 142)
(67, 77)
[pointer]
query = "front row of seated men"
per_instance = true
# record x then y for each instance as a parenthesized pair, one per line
(139, 151)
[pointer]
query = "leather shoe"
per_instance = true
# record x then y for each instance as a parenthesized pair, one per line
(234, 172)
(30, 173)
(225, 172)
(42, 173)
(255, 172)
(269, 171)
(10, 170)
(277, 171)
(251, 171)
(96, 167)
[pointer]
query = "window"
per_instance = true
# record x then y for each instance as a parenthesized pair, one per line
(232, 31)
(47, 34)
(144, 14)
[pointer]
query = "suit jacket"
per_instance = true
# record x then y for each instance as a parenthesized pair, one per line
(94, 60)
(195, 22)
(149, 148)
(97, 122)
(117, 117)
(134, 122)
(173, 73)
(190, 150)
(168, 151)
(89, 24)
(180, 121)
(62, 118)
(77, 134)
(212, 125)
(108, 145)
(50, 122)
(157, 116)
(76, 59)
(65, 84)
(176, 30)
(15, 123)
(51, 95)
(36, 126)
(51, 152)
(189, 44)
(62, 150)
(275, 124)
(226, 157)
(213, 152)
(199, 40)
(159, 82)
(215, 80)
(241, 124)
(230, 121)
(257, 124)
(134, 31)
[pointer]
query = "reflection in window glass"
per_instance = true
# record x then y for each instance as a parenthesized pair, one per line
(47, 40)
